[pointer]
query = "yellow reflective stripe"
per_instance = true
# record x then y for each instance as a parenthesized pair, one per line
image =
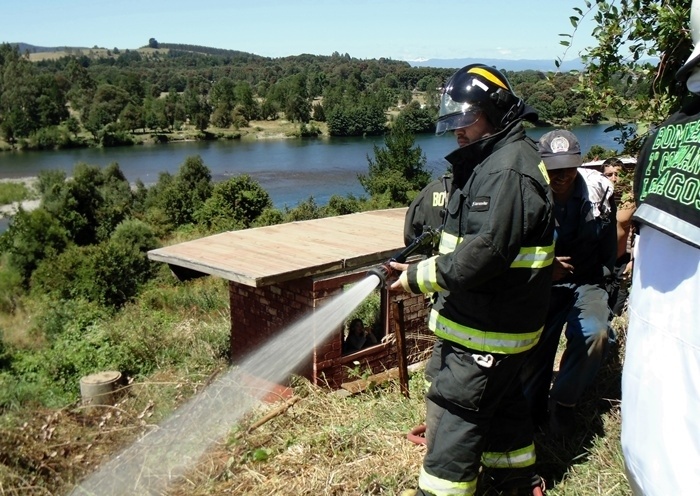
(534, 257)
(524, 457)
(448, 243)
(442, 487)
(488, 75)
(474, 339)
(426, 276)
(543, 170)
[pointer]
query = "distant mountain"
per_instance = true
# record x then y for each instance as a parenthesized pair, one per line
(509, 65)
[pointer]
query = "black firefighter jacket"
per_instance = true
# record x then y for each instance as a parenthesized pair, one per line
(492, 276)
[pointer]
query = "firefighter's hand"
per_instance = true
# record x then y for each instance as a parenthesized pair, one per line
(562, 268)
(402, 282)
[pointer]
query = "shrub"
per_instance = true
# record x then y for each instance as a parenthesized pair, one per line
(342, 205)
(181, 195)
(269, 217)
(135, 234)
(305, 210)
(32, 237)
(49, 138)
(13, 192)
(109, 274)
(10, 289)
(234, 204)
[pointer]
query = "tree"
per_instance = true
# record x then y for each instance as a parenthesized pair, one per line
(132, 117)
(234, 204)
(197, 108)
(29, 100)
(628, 35)
(32, 237)
(417, 119)
(73, 126)
(179, 197)
(152, 43)
(397, 169)
(298, 109)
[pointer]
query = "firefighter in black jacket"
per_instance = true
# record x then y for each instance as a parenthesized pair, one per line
(427, 209)
(492, 279)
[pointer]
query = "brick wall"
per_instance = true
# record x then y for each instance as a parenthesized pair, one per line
(257, 314)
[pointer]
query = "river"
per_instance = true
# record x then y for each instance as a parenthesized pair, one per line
(290, 170)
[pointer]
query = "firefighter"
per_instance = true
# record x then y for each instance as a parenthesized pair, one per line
(427, 209)
(492, 281)
(661, 371)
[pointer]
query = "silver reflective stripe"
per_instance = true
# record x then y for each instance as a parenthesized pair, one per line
(475, 339)
(426, 276)
(448, 243)
(668, 224)
(534, 257)
(442, 487)
(524, 457)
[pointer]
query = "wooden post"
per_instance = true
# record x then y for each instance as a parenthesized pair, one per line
(400, 332)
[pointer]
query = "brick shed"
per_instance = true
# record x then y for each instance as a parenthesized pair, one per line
(280, 273)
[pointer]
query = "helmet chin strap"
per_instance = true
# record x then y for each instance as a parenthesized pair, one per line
(512, 113)
(505, 100)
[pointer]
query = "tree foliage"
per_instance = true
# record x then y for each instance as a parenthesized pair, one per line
(637, 39)
(178, 197)
(397, 169)
(234, 204)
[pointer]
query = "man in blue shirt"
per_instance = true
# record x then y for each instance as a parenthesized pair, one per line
(585, 253)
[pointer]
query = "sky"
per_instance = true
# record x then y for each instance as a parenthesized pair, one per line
(366, 29)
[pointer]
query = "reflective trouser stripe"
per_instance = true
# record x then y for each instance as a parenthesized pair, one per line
(426, 276)
(475, 339)
(524, 457)
(533, 257)
(441, 487)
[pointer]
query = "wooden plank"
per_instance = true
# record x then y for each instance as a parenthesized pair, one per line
(283, 252)
(360, 385)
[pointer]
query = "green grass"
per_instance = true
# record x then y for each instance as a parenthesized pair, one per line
(11, 192)
(323, 444)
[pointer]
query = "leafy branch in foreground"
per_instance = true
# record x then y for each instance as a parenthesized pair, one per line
(637, 39)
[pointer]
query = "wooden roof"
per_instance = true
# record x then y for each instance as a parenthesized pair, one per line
(266, 255)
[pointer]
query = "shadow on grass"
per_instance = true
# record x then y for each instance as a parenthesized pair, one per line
(556, 456)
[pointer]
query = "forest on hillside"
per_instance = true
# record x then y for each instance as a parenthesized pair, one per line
(110, 97)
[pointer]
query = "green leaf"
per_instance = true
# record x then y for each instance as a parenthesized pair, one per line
(261, 455)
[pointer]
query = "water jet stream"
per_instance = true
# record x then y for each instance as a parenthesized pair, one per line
(161, 456)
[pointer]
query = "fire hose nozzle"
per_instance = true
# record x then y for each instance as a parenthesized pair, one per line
(383, 272)
(427, 238)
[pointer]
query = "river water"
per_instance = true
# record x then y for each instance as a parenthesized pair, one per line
(290, 170)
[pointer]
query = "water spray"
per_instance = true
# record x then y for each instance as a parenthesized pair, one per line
(427, 239)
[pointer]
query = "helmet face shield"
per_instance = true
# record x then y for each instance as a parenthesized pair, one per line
(455, 115)
(457, 121)
(473, 91)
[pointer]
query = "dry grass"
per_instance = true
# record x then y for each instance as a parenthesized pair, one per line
(325, 444)
(93, 53)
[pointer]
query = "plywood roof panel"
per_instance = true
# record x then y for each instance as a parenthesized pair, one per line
(265, 255)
